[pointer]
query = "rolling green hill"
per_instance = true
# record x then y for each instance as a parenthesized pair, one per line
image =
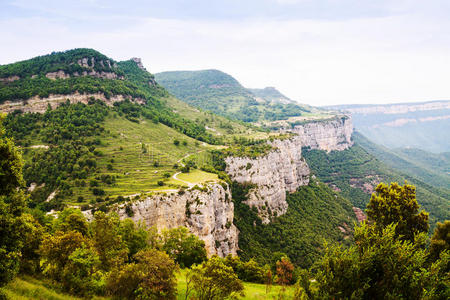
(355, 172)
(221, 94)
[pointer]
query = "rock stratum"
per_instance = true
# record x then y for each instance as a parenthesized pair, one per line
(283, 170)
(207, 212)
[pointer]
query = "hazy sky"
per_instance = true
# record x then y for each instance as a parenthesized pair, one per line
(315, 51)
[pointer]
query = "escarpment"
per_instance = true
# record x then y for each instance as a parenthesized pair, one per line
(207, 212)
(40, 105)
(326, 135)
(281, 170)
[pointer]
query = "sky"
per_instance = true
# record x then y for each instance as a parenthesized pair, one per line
(319, 52)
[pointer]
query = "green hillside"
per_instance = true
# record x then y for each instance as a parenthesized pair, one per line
(271, 95)
(428, 167)
(314, 215)
(220, 93)
(355, 172)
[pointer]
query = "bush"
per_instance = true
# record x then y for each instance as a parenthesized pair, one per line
(176, 142)
(151, 277)
(160, 182)
(98, 192)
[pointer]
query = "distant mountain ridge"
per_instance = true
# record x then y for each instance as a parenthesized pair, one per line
(424, 125)
(220, 93)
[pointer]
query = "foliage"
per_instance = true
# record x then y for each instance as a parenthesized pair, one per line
(215, 91)
(111, 249)
(183, 247)
(377, 266)
(12, 204)
(354, 169)
(135, 236)
(285, 271)
(33, 233)
(215, 280)
(314, 214)
(397, 204)
(151, 277)
(440, 241)
(249, 271)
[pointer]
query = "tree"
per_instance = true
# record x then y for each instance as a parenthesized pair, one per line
(377, 266)
(285, 271)
(214, 280)
(33, 233)
(111, 249)
(440, 240)
(185, 248)
(71, 219)
(56, 249)
(12, 205)
(151, 277)
(134, 236)
(397, 204)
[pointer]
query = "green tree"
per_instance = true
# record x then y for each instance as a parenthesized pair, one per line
(377, 266)
(106, 237)
(33, 234)
(185, 248)
(215, 280)
(134, 236)
(152, 276)
(440, 240)
(397, 204)
(56, 249)
(71, 219)
(12, 205)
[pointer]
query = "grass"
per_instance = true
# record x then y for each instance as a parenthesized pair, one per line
(252, 291)
(141, 154)
(197, 176)
(27, 288)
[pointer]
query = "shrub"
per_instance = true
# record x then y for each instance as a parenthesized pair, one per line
(160, 182)
(176, 142)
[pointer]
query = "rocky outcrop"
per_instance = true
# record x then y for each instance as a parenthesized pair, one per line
(326, 135)
(62, 75)
(37, 104)
(207, 212)
(10, 78)
(138, 62)
(281, 170)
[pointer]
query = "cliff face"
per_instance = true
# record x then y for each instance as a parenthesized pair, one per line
(282, 170)
(207, 213)
(37, 104)
(326, 135)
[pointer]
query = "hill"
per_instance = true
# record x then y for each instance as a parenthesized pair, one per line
(355, 172)
(221, 94)
(423, 125)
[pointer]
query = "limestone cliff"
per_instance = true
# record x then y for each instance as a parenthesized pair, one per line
(37, 104)
(281, 170)
(207, 212)
(326, 135)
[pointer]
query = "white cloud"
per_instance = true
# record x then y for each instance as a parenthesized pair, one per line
(397, 58)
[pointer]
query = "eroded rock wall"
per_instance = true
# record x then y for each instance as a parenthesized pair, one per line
(207, 212)
(37, 104)
(281, 170)
(327, 135)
